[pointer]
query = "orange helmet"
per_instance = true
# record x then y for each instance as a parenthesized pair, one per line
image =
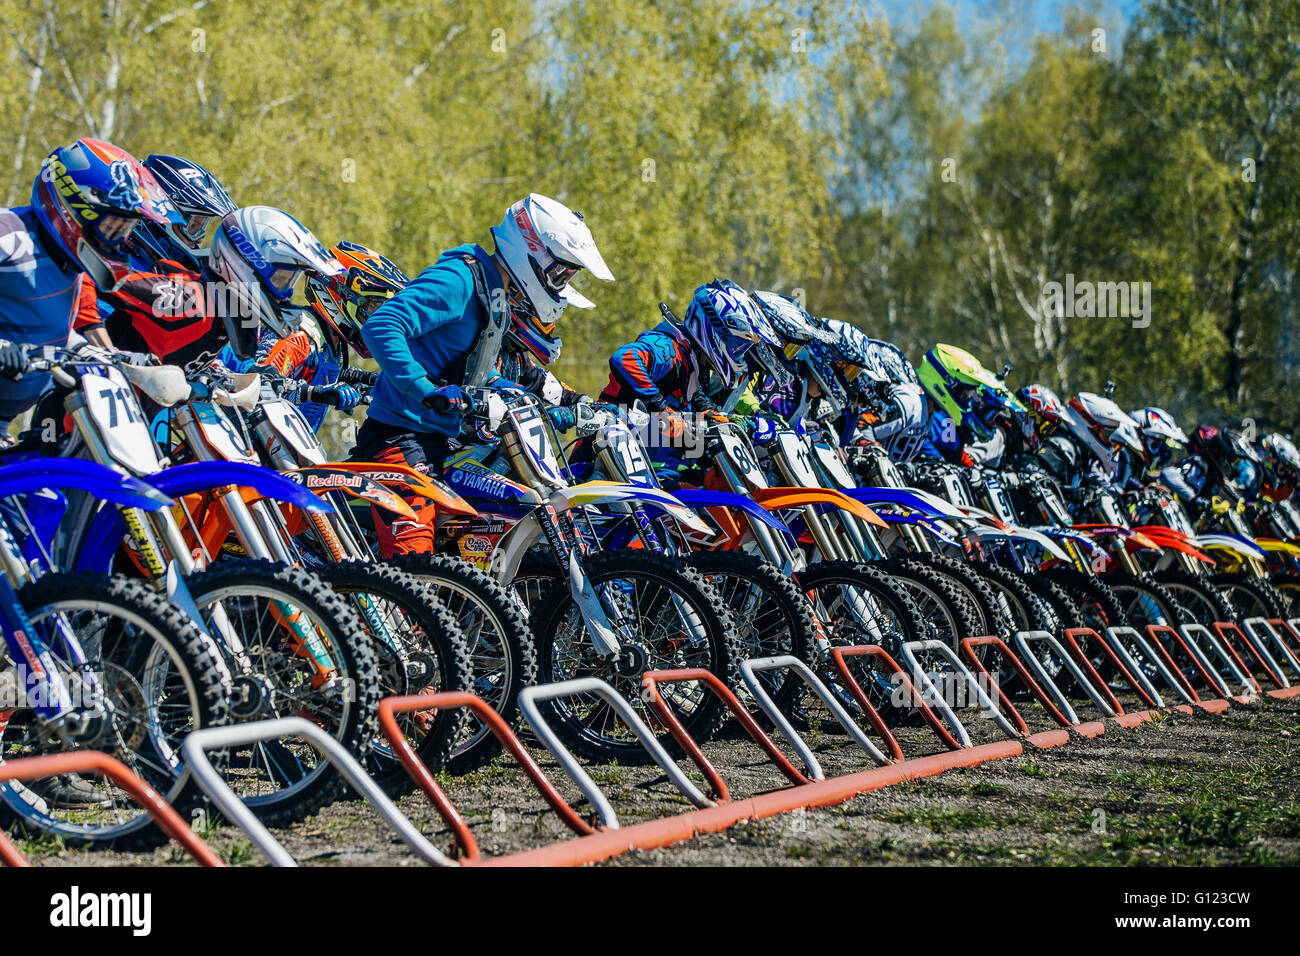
(344, 302)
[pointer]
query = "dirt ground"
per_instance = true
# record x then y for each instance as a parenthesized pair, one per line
(1183, 790)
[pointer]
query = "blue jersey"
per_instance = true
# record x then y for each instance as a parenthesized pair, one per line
(422, 336)
(658, 368)
(39, 299)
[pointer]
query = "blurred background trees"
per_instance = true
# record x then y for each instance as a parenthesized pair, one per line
(921, 173)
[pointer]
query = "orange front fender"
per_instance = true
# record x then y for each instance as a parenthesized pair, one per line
(404, 476)
(1175, 539)
(780, 499)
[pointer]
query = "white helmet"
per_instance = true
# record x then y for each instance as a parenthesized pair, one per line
(904, 425)
(261, 253)
(1156, 423)
(543, 244)
(791, 321)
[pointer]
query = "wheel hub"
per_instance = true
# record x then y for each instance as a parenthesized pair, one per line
(253, 697)
(632, 661)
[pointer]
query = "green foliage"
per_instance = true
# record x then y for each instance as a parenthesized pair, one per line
(924, 184)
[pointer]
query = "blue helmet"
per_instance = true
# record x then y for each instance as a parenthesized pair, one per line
(89, 197)
(198, 198)
(724, 323)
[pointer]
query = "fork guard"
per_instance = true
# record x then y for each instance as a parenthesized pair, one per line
(108, 528)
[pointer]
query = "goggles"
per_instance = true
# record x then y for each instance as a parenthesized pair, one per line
(113, 230)
(194, 226)
(282, 281)
(556, 276)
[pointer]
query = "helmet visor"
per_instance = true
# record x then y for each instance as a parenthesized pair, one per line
(736, 348)
(195, 226)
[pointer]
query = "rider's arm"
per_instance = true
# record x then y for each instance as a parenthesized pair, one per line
(635, 367)
(288, 355)
(437, 296)
(87, 319)
(1174, 479)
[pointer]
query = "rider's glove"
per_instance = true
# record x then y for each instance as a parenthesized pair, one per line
(714, 415)
(343, 397)
(764, 430)
(562, 418)
(137, 358)
(671, 424)
(1219, 505)
(12, 360)
(456, 398)
(1241, 506)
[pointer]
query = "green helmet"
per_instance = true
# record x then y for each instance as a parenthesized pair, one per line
(964, 388)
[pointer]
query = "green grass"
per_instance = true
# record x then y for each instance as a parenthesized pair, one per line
(950, 820)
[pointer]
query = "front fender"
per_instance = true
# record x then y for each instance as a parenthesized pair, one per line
(107, 528)
(1018, 533)
(610, 492)
(323, 481)
(1079, 537)
(1174, 539)
(62, 474)
(704, 498)
(1279, 546)
(406, 477)
(1132, 538)
(1231, 543)
(932, 506)
(780, 499)
(199, 476)
(920, 521)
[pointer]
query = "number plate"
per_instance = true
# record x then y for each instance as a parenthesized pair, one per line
(629, 455)
(832, 465)
(221, 434)
(798, 461)
(117, 414)
(293, 430)
(743, 459)
(536, 443)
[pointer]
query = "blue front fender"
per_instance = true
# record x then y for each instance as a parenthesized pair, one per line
(896, 517)
(205, 475)
(62, 474)
(704, 498)
(874, 496)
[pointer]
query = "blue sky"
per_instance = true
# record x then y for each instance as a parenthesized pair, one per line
(1030, 16)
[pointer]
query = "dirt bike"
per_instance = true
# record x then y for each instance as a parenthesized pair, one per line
(290, 644)
(612, 614)
(772, 617)
(498, 647)
(93, 662)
